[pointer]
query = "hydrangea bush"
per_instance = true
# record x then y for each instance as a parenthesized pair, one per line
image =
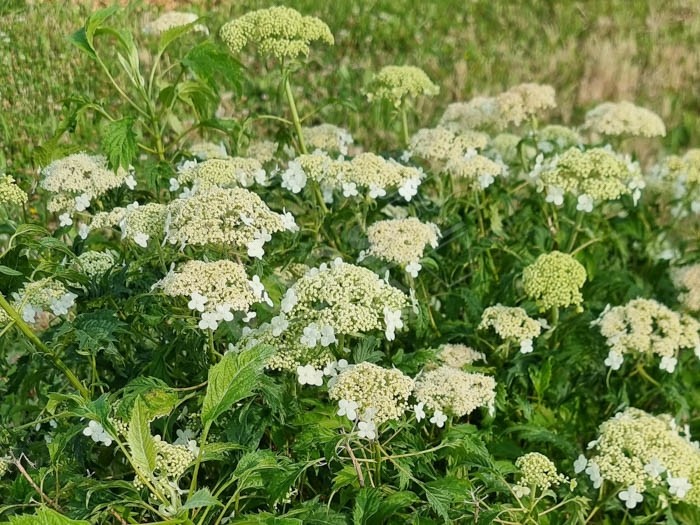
(255, 319)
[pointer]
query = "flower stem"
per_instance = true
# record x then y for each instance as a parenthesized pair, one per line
(295, 115)
(404, 125)
(56, 361)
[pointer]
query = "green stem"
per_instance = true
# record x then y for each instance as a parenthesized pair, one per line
(404, 126)
(295, 115)
(203, 441)
(572, 240)
(57, 362)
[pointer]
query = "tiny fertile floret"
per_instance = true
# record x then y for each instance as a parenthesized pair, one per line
(554, 280)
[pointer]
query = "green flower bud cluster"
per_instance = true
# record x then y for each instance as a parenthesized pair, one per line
(398, 83)
(539, 471)
(279, 32)
(554, 280)
(10, 193)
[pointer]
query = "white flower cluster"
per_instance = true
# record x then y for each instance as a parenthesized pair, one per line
(215, 289)
(554, 280)
(172, 19)
(679, 178)
(78, 179)
(367, 172)
(97, 433)
(624, 118)
(328, 138)
(10, 193)
(208, 150)
(38, 302)
(477, 170)
(438, 145)
(230, 216)
(454, 392)
(511, 323)
(95, 264)
(459, 355)
(642, 452)
(593, 175)
(222, 172)
(514, 106)
(399, 83)
(402, 241)
(647, 327)
(687, 280)
(138, 223)
(342, 298)
(537, 470)
(369, 387)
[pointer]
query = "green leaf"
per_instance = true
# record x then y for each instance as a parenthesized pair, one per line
(201, 498)
(140, 441)
(215, 66)
(119, 142)
(367, 504)
(168, 37)
(95, 21)
(9, 271)
(43, 516)
(234, 378)
(157, 398)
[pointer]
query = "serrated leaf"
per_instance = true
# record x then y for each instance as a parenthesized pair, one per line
(44, 516)
(168, 37)
(157, 398)
(367, 504)
(119, 142)
(140, 441)
(201, 498)
(234, 378)
(214, 65)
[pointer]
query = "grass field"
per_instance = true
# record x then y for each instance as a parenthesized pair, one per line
(589, 51)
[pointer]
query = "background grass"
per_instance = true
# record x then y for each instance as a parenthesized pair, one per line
(589, 51)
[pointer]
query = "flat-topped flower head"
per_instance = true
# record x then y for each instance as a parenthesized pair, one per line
(349, 298)
(637, 449)
(598, 173)
(384, 391)
(557, 137)
(624, 118)
(10, 193)
(210, 285)
(279, 32)
(78, 179)
(398, 83)
(645, 326)
(477, 113)
(459, 355)
(687, 281)
(523, 102)
(225, 173)
(144, 223)
(510, 322)
(231, 216)
(453, 391)
(328, 138)
(172, 19)
(554, 280)
(440, 144)
(40, 301)
(401, 241)
(538, 470)
(476, 170)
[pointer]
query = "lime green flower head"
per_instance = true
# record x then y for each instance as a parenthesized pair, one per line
(10, 193)
(280, 32)
(396, 83)
(554, 279)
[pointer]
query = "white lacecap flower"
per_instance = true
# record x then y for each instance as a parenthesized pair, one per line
(419, 412)
(349, 189)
(678, 487)
(348, 409)
(392, 319)
(65, 219)
(294, 178)
(438, 419)
(668, 363)
(526, 346)
(174, 184)
(376, 191)
(555, 195)
(82, 202)
(29, 313)
(224, 313)
(520, 491)
(327, 335)
(631, 497)
(289, 301)
(654, 468)
(197, 301)
(130, 182)
(249, 316)
(580, 464)
(97, 433)
(367, 430)
(257, 287)
(311, 336)
(409, 189)
(209, 321)
(141, 239)
(413, 268)
(593, 472)
(83, 230)
(585, 203)
(279, 324)
(62, 305)
(248, 221)
(614, 360)
(288, 222)
(308, 375)
(485, 180)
